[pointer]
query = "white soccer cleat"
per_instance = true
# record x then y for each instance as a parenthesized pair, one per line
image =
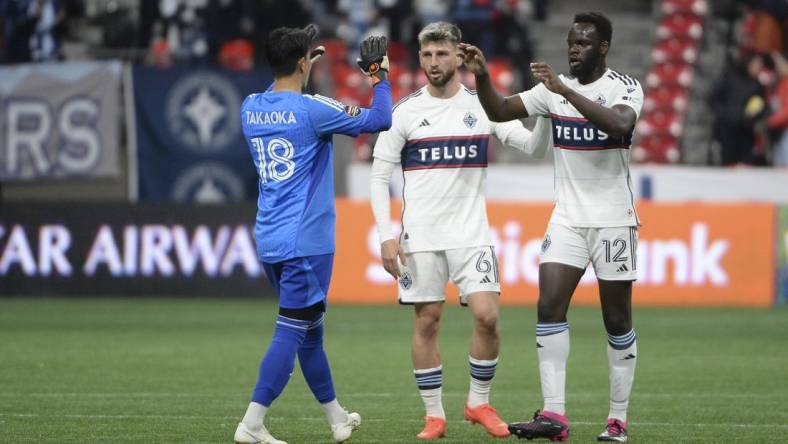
(243, 435)
(343, 430)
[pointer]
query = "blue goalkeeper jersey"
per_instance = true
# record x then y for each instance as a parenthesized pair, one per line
(290, 139)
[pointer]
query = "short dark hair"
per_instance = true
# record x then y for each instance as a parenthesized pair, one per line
(601, 23)
(284, 47)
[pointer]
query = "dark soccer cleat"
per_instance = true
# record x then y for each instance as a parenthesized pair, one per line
(548, 425)
(616, 430)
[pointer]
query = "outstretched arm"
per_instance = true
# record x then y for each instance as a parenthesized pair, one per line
(497, 107)
(534, 143)
(618, 120)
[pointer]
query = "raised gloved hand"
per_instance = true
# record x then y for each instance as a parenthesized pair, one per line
(312, 30)
(373, 59)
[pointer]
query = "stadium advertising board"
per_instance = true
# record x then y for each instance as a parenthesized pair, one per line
(688, 254)
(59, 120)
(782, 258)
(129, 250)
(189, 140)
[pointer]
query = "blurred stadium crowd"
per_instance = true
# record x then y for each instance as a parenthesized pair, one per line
(734, 101)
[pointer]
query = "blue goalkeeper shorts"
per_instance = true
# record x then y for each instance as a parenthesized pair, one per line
(302, 281)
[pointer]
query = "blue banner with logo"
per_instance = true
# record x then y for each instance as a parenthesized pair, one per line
(189, 140)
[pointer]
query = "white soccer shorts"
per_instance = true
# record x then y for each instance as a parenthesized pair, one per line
(424, 277)
(612, 250)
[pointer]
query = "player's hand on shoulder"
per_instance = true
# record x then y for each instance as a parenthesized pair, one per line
(389, 253)
(473, 58)
(373, 58)
(544, 73)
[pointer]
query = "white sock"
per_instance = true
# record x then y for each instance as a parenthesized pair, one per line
(433, 402)
(622, 362)
(482, 373)
(552, 346)
(255, 414)
(335, 414)
(430, 383)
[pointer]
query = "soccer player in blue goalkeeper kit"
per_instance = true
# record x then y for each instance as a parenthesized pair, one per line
(289, 136)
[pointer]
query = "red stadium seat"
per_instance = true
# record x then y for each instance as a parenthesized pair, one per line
(401, 77)
(675, 50)
(665, 98)
(698, 7)
(670, 74)
(664, 122)
(336, 49)
(351, 96)
(680, 25)
(346, 75)
(397, 52)
(237, 54)
(501, 75)
(659, 148)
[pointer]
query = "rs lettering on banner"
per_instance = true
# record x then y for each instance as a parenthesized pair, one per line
(59, 121)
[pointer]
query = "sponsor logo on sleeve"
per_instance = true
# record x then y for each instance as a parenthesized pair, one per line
(352, 110)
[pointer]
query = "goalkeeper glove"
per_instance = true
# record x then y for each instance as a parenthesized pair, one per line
(312, 30)
(374, 61)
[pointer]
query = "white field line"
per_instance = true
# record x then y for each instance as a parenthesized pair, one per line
(314, 419)
(378, 395)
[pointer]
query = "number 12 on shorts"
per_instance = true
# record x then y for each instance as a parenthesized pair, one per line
(618, 246)
(279, 165)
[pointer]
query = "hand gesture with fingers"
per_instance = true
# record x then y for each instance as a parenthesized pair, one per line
(473, 58)
(389, 252)
(373, 58)
(542, 72)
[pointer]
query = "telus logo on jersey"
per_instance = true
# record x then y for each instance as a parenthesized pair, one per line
(575, 133)
(446, 152)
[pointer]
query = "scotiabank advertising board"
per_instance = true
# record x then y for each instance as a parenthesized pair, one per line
(129, 250)
(688, 255)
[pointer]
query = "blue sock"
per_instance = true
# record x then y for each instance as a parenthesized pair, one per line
(279, 360)
(314, 363)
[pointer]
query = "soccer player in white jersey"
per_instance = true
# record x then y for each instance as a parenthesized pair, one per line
(440, 136)
(593, 111)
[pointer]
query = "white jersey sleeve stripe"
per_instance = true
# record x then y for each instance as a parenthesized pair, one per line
(323, 100)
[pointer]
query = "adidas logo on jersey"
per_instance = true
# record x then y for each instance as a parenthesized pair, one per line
(424, 122)
(486, 280)
(622, 268)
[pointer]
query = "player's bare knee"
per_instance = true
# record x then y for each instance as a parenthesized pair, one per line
(487, 322)
(547, 311)
(427, 328)
(427, 321)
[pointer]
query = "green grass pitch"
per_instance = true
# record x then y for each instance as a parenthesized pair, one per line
(178, 371)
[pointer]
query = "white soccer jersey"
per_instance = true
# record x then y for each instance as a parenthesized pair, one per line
(592, 182)
(442, 147)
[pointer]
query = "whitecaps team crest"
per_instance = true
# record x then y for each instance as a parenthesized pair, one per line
(470, 120)
(546, 243)
(405, 280)
(601, 100)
